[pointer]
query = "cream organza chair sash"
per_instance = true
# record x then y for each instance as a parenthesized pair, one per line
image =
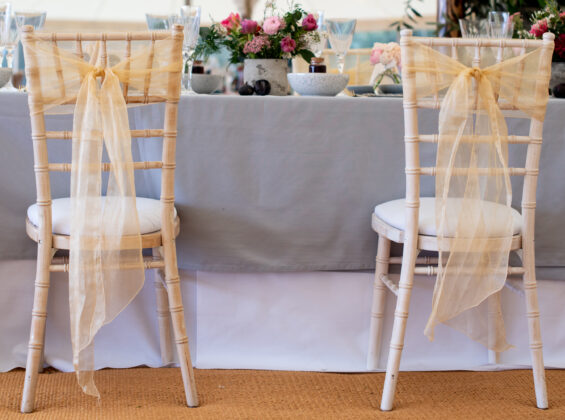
(106, 268)
(472, 172)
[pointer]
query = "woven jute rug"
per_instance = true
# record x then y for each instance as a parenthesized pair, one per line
(145, 393)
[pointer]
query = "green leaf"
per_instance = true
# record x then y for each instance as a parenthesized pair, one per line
(306, 55)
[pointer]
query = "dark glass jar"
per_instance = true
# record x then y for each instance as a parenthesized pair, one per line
(197, 68)
(317, 65)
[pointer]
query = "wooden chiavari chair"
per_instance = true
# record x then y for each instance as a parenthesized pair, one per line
(416, 231)
(158, 236)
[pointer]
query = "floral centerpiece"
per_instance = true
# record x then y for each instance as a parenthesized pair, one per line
(549, 19)
(386, 59)
(278, 37)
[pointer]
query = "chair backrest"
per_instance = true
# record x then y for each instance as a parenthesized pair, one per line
(412, 104)
(40, 135)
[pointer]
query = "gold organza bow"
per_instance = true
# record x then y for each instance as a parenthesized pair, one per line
(106, 264)
(473, 190)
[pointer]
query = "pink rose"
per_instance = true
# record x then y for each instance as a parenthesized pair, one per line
(562, 15)
(539, 28)
(309, 23)
(376, 56)
(288, 44)
(248, 26)
(272, 25)
(231, 22)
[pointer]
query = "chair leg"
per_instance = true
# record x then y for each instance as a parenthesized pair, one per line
(163, 314)
(493, 304)
(399, 326)
(37, 334)
(534, 330)
(179, 328)
(378, 306)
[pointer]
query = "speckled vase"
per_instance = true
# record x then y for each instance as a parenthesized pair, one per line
(272, 69)
(557, 74)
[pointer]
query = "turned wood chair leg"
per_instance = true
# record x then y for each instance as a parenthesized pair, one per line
(37, 334)
(378, 305)
(179, 328)
(399, 326)
(534, 329)
(163, 314)
(493, 304)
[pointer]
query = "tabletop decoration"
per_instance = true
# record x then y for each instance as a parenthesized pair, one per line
(264, 48)
(549, 19)
(386, 59)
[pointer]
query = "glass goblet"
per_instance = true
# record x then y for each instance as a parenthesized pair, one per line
(500, 25)
(341, 34)
(157, 22)
(473, 28)
(190, 19)
(318, 47)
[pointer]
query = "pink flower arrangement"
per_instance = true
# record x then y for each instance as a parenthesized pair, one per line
(249, 26)
(386, 54)
(273, 25)
(283, 36)
(549, 19)
(539, 28)
(309, 23)
(288, 44)
(232, 22)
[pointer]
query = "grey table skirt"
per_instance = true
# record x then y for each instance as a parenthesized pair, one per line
(276, 183)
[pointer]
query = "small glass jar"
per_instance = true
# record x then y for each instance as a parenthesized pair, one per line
(197, 67)
(317, 65)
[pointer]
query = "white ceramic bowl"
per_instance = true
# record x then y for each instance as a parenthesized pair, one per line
(5, 74)
(318, 84)
(206, 83)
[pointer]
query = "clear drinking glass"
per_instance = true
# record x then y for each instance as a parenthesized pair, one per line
(473, 28)
(500, 25)
(157, 22)
(318, 47)
(190, 19)
(341, 34)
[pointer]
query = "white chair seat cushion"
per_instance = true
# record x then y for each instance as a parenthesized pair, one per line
(392, 213)
(148, 210)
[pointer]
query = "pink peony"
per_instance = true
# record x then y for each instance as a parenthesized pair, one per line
(539, 28)
(309, 23)
(248, 26)
(231, 22)
(562, 15)
(256, 45)
(272, 25)
(376, 56)
(288, 44)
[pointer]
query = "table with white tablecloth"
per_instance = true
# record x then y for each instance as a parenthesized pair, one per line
(275, 196)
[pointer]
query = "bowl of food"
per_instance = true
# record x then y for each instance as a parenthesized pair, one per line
(206, 83)
(318, 84)
(5, 74)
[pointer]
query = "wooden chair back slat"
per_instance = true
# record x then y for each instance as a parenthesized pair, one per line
(42, 165)
(412, 104)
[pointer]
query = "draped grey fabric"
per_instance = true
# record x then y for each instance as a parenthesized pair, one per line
(278, 183)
